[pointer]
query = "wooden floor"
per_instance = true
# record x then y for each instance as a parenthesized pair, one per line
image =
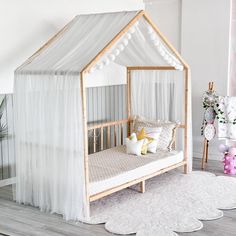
(28, 221)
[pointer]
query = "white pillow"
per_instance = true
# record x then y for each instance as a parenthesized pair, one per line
(152, 132)
(134, 148)
(133, 137)
(167, 134)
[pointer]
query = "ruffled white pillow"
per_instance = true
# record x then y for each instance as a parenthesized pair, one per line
(133, 147)
(167, 136)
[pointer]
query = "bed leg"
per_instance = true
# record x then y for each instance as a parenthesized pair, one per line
(186, 170)
(142, 187)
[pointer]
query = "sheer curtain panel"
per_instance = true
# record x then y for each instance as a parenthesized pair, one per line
(158, 94)
(49, 144)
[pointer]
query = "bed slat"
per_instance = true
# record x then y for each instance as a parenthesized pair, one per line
(102, 138)
(115, 134)
(94, 140)
(121, 135)
(108, 137)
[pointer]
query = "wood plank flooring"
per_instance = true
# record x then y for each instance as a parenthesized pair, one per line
(19, 220)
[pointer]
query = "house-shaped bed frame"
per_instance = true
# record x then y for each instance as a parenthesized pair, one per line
(127, 122)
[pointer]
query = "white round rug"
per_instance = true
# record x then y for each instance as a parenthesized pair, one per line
(173, 202)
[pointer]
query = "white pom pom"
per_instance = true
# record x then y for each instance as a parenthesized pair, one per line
(162, 53)
(125, 42)
(150, 30)
(106, 61)
(166, 57)
(121, 47)
(132, 30)
(173, 64)
(91, 70)
(156, 42)
(128, 36)
(160, 49)
(169, 60)
(112, 57)
(117, 52)
(153, 36)
(100, 66)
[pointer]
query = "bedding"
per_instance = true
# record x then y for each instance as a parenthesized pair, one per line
(167, 135)
(113, 167)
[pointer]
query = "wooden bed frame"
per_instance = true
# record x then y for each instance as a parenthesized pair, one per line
(122, 123)
(118, 139)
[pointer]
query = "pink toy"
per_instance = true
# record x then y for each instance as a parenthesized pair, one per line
(230, 164)
(229, 159)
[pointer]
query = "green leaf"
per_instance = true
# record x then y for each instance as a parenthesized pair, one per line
(3, 127)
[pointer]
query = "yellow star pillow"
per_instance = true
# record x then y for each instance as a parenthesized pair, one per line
(142, 135)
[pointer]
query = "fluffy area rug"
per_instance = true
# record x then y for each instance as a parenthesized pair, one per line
(173, 202)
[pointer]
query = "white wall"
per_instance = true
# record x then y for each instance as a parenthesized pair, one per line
(167, 16)
(205, 46)
(27, 24)
(232, 76)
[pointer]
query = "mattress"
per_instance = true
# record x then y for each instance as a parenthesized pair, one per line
(113, 167)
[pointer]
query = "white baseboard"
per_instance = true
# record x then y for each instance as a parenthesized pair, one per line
(210, 156)
(213, 153)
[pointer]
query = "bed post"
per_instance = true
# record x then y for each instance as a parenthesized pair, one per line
(86, 169)
(142, 186)
(129, 100)
(186, 80)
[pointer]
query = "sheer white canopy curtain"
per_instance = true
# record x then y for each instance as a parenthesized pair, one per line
(49, 144)
(158, 94)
